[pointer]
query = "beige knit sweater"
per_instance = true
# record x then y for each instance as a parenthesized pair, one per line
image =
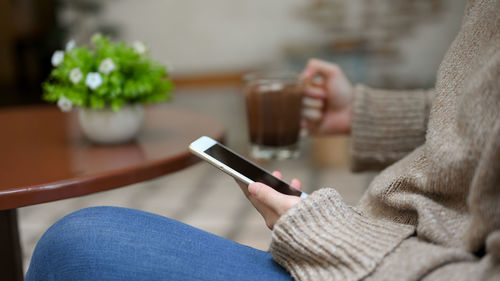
(435, 213)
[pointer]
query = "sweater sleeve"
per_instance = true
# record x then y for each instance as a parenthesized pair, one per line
(479, 256)
(387, 125)
(416, 259)
(321, 238)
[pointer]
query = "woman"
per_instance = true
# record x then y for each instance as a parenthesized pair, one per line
(433, 214)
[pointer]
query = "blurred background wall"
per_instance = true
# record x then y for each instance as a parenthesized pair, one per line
(383, 43)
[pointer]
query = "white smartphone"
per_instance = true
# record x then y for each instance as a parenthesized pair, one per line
(237, 166)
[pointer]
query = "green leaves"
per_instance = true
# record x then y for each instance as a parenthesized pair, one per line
(97, 102)
(128, 76)
(53, 92)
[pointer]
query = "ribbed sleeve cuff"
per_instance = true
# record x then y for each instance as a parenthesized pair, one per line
(321, 238)
(386, 126)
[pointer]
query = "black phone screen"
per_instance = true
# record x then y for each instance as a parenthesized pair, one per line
(248, 169)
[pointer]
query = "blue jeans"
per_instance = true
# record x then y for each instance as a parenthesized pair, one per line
(110, 243)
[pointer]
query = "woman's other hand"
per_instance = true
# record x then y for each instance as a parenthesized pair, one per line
(270, 203)
(328, 99)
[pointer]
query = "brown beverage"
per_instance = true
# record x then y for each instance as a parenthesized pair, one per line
(273, 112)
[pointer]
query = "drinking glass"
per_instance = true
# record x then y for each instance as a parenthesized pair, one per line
(273, 103)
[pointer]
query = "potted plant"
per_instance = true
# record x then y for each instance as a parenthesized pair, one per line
(109, 84)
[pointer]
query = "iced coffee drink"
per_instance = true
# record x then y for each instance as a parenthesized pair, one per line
(273, 102)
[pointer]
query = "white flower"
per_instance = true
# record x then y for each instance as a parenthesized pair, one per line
(57, 58)
(107, 66)
(93, 80)
(139, 47)
(64, 104)
(70, 45)
(75, 75)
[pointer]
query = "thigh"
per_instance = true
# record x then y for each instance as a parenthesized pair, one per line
(109, 243)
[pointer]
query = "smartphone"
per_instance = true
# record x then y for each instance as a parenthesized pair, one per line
(237, 166)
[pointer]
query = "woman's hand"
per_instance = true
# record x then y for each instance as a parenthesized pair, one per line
(328, 99)
(270, 203)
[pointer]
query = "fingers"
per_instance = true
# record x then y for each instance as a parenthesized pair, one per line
(295, 183)
(312, 102)
(264, 194)
(312, 109)
(278, 202)
(312, 114)
(318, 67)
(316, 92)
(270, 203)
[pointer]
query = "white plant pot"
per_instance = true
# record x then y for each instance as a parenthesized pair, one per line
(106, 126)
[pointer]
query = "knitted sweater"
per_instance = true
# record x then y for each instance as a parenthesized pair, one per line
(434, 213)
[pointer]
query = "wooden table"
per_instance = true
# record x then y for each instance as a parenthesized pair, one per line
(44, 157)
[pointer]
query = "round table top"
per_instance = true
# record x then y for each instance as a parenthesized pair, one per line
(44, 156)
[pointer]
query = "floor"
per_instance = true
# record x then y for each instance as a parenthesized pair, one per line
(204, 197)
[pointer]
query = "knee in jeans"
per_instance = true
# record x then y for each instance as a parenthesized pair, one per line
(76, 231)
(82, 220)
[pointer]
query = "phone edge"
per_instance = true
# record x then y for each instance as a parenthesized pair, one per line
(221, 166)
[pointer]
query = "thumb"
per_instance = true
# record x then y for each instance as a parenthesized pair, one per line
(269, 197)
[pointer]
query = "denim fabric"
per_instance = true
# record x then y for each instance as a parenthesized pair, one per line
(110, 243)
